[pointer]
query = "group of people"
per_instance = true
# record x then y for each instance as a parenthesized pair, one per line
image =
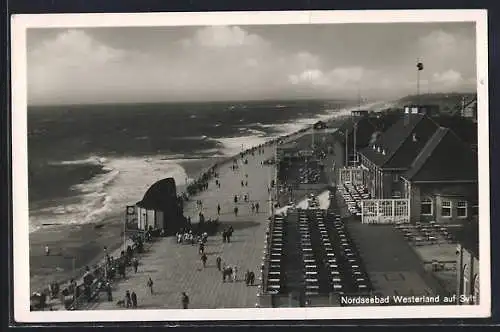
(189, 237)
(130, 299)
(227, 233)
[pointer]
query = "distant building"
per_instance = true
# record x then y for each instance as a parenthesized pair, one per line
(160, 208)
(368, 130)
(429, 110)
(359, 113)
(469, 109)
(428, 164)
(468, 265)
(320, 125)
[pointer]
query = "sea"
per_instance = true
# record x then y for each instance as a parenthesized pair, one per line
(87, 162)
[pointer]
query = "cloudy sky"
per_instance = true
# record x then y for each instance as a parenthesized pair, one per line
(156, 64)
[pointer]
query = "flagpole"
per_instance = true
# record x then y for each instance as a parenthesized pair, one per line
(418, 84)
(419, 68)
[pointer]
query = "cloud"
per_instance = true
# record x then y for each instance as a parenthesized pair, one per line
(222, 37)
(231, 62)
(439, 40)
(340, 78)
(448, 78)
(310, 76)
(440, 50)
(76, 48)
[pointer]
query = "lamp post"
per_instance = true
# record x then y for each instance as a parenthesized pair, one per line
(420, 66)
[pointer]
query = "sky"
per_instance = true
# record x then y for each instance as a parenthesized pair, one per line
(216, 63)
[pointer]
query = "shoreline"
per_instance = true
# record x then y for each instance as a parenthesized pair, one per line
(107, 236)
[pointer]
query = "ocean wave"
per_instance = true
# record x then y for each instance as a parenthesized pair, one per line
(97, 183)
(326, 115)
(201, 137)
(234, 145)
(106, 195)
(93, 160)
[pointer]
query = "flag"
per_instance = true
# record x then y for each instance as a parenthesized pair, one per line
(420, 66)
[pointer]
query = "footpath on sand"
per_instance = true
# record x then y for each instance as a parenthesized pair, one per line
(176, 268)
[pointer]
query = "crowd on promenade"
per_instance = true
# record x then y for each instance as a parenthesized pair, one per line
(74, 294)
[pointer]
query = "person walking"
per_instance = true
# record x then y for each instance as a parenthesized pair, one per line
(235, 211)
(235, 273)
(47, 251)
(128, 300)
(247, 277)
(218, 261)
(135, 263)
(150, 285)
(204, 260)
(185, 300)
(109, 291)
(251, 278)
(218, 209)
(133, 297)
(257, 207)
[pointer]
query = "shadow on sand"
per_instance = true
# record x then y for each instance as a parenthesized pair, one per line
(239, 225)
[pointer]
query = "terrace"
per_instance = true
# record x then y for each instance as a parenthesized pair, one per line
(352, 195)
(320, 259)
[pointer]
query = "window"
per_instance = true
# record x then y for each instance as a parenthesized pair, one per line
(396, 194)
(395, 177)
(462, 209)
(426, 207)
(446, 209)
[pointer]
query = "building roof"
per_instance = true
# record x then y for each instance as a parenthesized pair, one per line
(160, 195)
(444, 158)
(367, 127)
(464, 128)
(400, 144)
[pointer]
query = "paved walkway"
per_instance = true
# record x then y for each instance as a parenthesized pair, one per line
(176, 268)
(393, 267)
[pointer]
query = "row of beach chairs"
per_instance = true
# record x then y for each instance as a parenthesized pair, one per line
(351, 199)
(343, 266)
(274, 248)
(426, 233)
(353, 269)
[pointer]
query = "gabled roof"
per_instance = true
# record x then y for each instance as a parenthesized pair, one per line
(464, 128)
(413, 144)
(367, 126)
(444, 158)
(426, 152)
(398, 143)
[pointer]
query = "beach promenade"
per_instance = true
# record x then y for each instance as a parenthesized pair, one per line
(176, 268)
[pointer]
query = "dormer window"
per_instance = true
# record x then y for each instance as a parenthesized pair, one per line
(374, 147)
(414, 137)
(378, 149)
(383, 152)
